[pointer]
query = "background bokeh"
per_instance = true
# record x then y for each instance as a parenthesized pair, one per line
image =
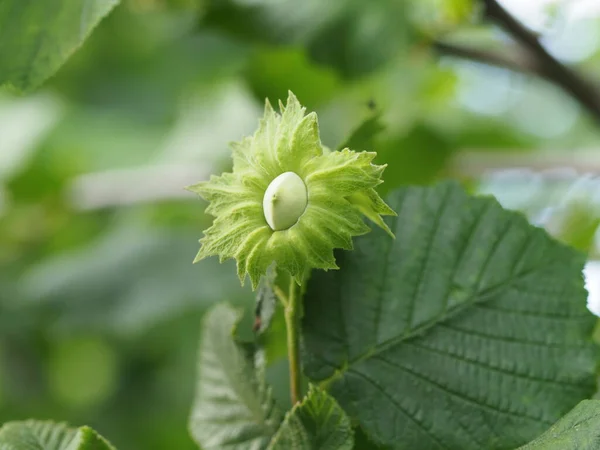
(100, 305)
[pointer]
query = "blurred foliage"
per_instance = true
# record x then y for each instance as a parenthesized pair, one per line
(99, 303)
(37, 37)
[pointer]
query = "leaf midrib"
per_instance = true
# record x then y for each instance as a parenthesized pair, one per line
(381, 347)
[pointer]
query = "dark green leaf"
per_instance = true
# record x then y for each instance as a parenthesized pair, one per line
(362, 441)
(318, 423)
(468, 331)
(417, 157)
(272, 72)
(37, 37)
(578, 430)
(233, 408)
(350, 35)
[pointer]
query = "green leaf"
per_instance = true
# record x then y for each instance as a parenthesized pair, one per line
(363, 442)
(273, 71)
(318, 423)
(88, 439)
(39, 36)
(578, 430)
(38, 435)
(468, 331)
(233, 409)
(34, 435)
(417, 157)
(363, 136)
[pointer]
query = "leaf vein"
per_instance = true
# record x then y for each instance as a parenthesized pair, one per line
(461, 396)
(399, 407)
(487, 366)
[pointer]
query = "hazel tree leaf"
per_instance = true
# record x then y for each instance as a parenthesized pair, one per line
(317, 423)
(233, 408)
(43, 435)
(37, 37)
(35, 435)
(469, 330)
(578, 430)
(88, 439)
(363, 442)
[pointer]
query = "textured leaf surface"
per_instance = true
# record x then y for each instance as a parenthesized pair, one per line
(318, 423)
(233, 409)
(37, 37)
(38, 435)
(34, 435)
(468, 331)
(578, 430)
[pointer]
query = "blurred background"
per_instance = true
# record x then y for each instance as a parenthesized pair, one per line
(99, 303)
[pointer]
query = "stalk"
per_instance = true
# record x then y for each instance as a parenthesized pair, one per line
(292, 320)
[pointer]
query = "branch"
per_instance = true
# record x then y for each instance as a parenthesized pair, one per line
(491, 58)
(582, 89)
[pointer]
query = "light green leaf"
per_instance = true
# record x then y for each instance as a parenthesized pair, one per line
(317, 423)
(233, 409)
(88, 439)
(34, 435)
(39, 435)
(37, 37)
(578, 430)
(468, 331)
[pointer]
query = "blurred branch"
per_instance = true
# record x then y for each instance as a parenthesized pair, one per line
(532, 57)
(514, 62)
(556, 165)
(133, 186)
(575, 84)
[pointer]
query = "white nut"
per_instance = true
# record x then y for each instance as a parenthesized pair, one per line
(285, 200)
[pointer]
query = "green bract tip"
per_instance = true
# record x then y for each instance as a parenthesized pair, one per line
(289, 200)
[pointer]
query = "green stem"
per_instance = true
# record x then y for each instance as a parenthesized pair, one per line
(280, 295)
(292, 320)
